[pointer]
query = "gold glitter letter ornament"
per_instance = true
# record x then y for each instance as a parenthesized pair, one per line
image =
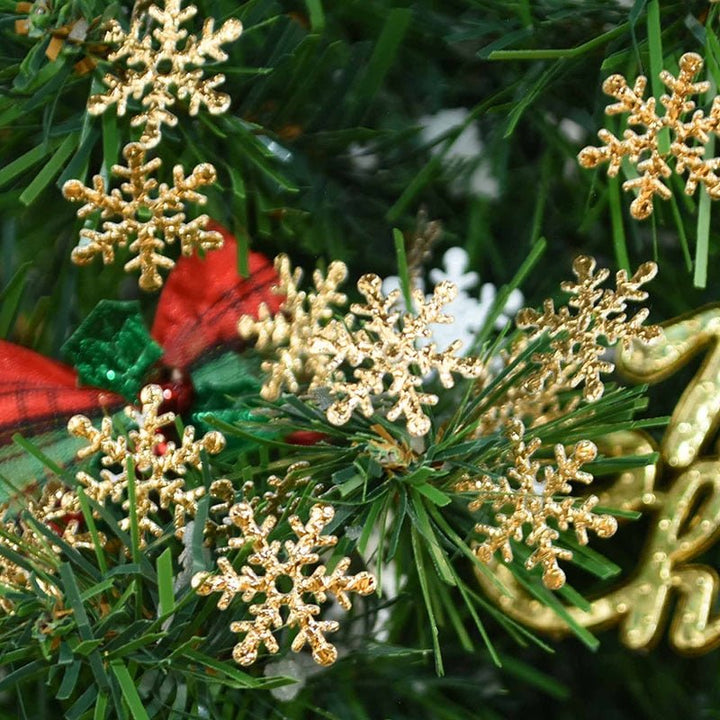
(662, 137)
(283, 583)
(169, 62)
(153, 215)
(159, 465)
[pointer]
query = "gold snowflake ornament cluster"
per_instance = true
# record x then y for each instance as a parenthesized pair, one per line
(163, 65)
(283, 585)
(660, 138)
(377, 339)
(525, 498)
(289, 333)
(160, 465)
(581, 331)
(149, 214)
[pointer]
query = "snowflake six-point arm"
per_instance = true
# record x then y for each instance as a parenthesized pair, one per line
(380, 343)
(521, 498)
(662, 137)
(289, 332)
(576, 352)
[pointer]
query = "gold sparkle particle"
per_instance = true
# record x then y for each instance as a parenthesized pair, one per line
(379, 341)
(159, 464)
(662, 137)
(283, 584)
(164, 65)
(153, 215)
(522, 498)
(576, 352)
(301, 317)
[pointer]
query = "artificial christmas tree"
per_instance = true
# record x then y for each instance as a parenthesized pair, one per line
(234, 488)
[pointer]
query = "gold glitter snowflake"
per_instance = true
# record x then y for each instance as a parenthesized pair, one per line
(523, 500)
(302, 315)
(153, 215)
(164, 65)
(580, 335)
(379, 341)
(661, 137)
(592, 315)
(159, 464)
(283, 584)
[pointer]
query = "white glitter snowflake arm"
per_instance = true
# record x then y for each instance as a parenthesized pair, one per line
(278, 607)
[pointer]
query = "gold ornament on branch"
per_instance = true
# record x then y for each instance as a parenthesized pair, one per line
(285, 492)
(575, 357)
(152, 217)
(160, 465)
(289, 333)
(684, 494)
(163, 65)
(282, 586)
(522, 498)
(57, 508)
(380, 342)
(660, 138)
(580, 334)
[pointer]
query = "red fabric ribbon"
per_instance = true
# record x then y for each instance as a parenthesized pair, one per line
(198, 310)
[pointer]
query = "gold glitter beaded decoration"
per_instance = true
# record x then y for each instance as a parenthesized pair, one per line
(523, 498)
(661, 137)
(153, 214)
(163, 65)
(580, 335)
(380, 341)
(58, 507)
(159, 464)
(302, 316)
(283, 584)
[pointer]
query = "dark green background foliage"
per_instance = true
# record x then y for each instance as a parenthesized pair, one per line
(310, 82)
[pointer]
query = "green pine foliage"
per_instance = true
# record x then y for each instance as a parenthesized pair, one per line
(321, 156)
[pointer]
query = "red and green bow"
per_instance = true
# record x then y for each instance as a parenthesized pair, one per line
(196, 319)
